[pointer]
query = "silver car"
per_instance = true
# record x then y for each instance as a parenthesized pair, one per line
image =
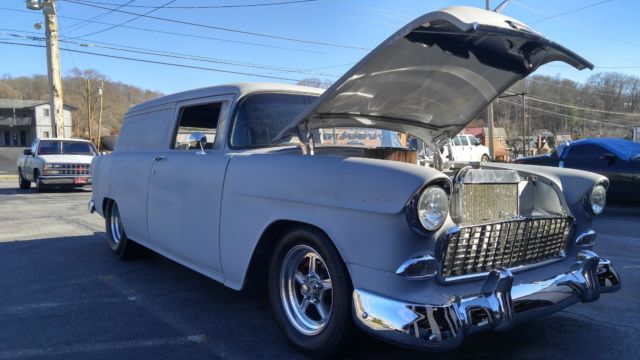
(258, 184)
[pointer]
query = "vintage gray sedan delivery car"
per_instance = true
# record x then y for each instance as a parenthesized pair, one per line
(249, 183)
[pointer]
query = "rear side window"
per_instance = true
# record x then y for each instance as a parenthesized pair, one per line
(456, 141)
(464, 141)
(202, 118)
(586, 152)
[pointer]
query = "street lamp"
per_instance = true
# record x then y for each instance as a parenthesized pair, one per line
(34, 4)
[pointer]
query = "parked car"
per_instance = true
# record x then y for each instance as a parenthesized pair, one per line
(617, 159)
(56, 162)
(467, 148)
(235, 182)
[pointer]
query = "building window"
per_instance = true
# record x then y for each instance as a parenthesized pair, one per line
(45, 112)
(45, 134)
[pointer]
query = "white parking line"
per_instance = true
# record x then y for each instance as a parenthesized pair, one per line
(45, 306)
(94, 347)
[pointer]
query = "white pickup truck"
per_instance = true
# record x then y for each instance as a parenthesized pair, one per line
(56, 162)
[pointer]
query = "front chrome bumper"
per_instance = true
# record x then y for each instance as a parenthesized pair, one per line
(498, 305)
(64, 180)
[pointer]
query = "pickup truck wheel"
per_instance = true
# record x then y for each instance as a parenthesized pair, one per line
(22, 182)
(40, 187)
(121, 246)
(310, 292)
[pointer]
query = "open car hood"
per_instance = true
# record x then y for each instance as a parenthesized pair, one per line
(433, 76)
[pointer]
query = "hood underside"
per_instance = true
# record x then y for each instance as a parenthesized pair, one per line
(433, 76)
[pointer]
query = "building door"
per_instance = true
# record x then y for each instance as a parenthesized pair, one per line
(23, 138)
(7, 138)
(15, 139)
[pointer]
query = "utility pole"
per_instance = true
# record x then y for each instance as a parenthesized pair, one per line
(48, 8)
(490, 111)
(100, 116)
(524, 124)
(89, 107)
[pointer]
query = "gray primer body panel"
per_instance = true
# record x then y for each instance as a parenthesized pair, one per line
(358, 203)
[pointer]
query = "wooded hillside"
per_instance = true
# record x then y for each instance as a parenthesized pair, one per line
(606, 104)
(117, 97)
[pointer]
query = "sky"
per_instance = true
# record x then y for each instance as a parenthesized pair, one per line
(604, 32)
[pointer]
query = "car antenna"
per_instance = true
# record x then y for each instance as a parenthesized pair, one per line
(502, 6)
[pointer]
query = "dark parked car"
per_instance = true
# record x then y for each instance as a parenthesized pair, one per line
(617, 159)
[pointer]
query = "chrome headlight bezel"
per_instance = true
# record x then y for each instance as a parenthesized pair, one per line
(412, 210)
(597, 199)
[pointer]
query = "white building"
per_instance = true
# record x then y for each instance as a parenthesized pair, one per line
(21, 121)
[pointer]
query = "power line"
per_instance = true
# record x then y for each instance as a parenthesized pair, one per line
(569, 12)
(582, 108)
(277, 3)
(157, 62)
(387, 13)
(565, 115)
(587, 28)
(577, 88)
(156, 8)
(220, 28)
(241, 42)
(170, 54)
(99, 16)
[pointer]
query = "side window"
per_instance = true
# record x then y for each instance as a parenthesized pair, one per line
(456, 141)
(34, 147)
(201, 118)
(473, 140)
(464, 141)
(586, 152)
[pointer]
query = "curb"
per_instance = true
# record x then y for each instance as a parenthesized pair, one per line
(8, 177)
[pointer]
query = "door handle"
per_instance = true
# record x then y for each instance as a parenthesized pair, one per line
(160, 158)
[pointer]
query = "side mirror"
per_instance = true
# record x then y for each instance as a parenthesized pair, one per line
(609, 157)
(197, 139)
(27, 152)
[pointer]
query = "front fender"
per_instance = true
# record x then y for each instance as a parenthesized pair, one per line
(358, 203)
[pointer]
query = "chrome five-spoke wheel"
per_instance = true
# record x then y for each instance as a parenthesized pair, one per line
(115, 225)
(121, 246)
(310, 291)
(306, 291)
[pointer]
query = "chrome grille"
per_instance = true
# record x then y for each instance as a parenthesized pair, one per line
(480, 248)
(69, 169)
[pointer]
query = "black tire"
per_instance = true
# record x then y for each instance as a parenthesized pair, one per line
(484, 158)
(339, 327)
(40, 187)
(121, 246)
(22, 182)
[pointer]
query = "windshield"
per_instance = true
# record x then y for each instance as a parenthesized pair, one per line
(57, 147)
(260, 117)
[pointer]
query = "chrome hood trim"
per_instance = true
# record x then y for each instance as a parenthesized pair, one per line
(434, 75)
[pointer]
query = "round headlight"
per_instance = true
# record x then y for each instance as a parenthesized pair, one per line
(433, 207)
(598, 199)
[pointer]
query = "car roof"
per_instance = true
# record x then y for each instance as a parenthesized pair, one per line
(622, 148)
(63, 139)
(239, 89)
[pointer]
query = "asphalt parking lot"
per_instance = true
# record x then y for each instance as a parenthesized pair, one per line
(62, 295)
